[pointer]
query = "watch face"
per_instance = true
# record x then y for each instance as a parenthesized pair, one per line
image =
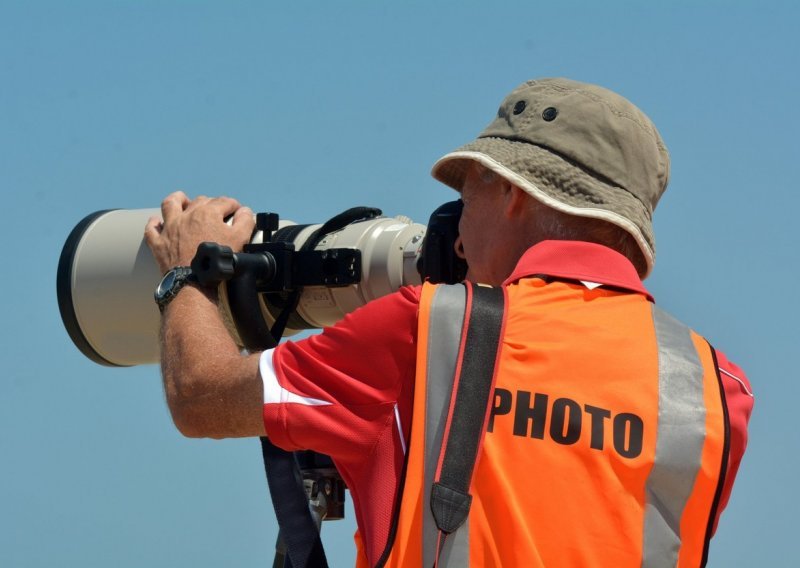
(166, 283)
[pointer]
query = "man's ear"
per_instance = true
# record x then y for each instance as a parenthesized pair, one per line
(514, 201)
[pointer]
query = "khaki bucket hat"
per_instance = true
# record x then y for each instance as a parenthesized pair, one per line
(576, 147)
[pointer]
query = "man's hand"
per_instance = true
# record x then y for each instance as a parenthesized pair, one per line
(187, 223)
(212, 389)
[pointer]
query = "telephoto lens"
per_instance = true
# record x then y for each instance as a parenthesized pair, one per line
(107, 276)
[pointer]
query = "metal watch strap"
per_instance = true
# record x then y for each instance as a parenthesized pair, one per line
(183, 276)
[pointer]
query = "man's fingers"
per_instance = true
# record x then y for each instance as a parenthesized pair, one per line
(242, 215)
(218, 206)
(242, 224)
(174, 204)
(153, 229)
(224, 206)
(198, 201)
(178, 202)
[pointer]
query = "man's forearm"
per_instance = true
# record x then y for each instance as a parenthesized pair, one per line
(212, 389)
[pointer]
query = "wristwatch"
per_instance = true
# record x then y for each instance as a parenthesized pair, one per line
(172, 282)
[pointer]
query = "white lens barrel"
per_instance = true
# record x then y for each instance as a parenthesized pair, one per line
(107, 275)
(389, 250)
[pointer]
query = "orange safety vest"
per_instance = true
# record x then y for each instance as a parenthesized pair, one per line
(606, 446)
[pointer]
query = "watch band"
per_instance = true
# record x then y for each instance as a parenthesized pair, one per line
(173, 282)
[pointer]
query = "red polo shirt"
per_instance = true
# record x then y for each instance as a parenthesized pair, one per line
(348, 391)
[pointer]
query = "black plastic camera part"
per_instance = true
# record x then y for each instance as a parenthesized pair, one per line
(439, 263)
(271, 269)
(305, 488)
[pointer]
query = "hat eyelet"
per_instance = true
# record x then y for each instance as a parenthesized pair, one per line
(549, 114)
(519, 107)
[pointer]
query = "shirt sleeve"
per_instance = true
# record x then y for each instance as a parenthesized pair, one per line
(739, 400)
(337, 392)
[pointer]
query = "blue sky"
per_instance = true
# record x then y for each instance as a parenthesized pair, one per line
(306, 109)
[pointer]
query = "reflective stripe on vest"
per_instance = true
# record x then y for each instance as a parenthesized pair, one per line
(679, 440)
(444, 338)
(676, 497)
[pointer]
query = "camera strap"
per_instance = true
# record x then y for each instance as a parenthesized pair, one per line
(298, 531)
(335, 223)
(469, 409)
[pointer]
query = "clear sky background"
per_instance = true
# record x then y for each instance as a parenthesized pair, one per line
(309, 108)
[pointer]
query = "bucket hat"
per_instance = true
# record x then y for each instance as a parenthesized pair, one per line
(576, 147)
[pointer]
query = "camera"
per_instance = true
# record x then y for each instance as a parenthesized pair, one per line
(290, 277)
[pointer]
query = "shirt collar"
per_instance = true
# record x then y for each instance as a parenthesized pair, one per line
(579, 260)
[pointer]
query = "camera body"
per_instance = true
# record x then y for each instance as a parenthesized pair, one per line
(319, 273)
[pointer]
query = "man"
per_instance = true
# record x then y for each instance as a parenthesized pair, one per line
(615, 433)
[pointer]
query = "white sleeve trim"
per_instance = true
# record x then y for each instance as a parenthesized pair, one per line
(274, 393)
(400, 428)
(738, 380)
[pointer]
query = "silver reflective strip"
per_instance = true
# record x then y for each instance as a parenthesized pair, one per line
(456, 548)
(444, 337)
(679, 440)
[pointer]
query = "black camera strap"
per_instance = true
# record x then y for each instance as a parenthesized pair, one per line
(298, 531)
(468, 411)
(335, 223)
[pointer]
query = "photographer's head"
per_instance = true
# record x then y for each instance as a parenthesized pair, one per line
(500, 221)
(587, 163)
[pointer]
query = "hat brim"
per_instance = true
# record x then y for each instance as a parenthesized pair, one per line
(554, 181)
